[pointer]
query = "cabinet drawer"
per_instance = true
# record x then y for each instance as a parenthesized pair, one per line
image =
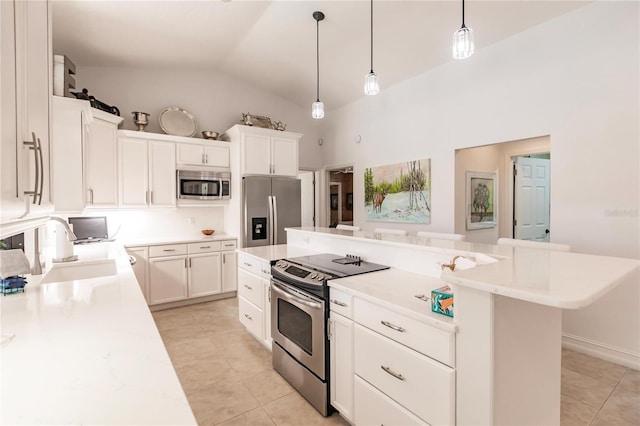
(251, 288)
(433, 342)
(341, 302)
(229, 244)
(251, 317)
(253, 265)
(167, 250)
(205, 247)
(423, 386)
(374, 407)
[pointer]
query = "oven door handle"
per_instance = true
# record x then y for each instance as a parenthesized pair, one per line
(283, 292)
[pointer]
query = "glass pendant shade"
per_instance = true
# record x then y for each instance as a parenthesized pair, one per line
(317, 110)
(371, 86)
(463, 43)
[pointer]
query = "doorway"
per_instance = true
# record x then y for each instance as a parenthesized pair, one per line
(308, 197)
(339, 203)
(531, 199)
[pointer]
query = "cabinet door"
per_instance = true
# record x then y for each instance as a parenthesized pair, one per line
(140, 268)
(284, 156)
(190, 154)
(133, 172)
(13, 205)
(217, 156)
(34, 88)
(342, 365)
(256, 155)
(102, 167)
(229, 271)
(204, 274)
(167, 279)
(162, 173)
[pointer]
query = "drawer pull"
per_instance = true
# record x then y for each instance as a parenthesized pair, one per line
(393, 327)
(247, 316)
(339, 303)
(247, 264)
(205, 247)
(229, 245)
(393, 373)
(248, 287)
(169, 250)
(265, 271)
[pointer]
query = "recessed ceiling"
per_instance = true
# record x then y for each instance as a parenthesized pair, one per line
(272, 45)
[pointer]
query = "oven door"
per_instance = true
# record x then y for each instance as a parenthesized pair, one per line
(297, 325)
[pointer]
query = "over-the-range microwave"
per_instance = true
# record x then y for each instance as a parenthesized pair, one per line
(203, 185)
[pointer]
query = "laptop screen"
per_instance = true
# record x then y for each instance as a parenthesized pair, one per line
(89, 228)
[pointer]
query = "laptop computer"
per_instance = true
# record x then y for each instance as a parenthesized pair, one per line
(89, 229)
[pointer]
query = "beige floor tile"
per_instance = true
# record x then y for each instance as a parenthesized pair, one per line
(200, 348)
(221, 401)
(177, 336)
(575, 413)
(584, 389)
(604, 371)
(624, 404)
(631, 381)
(201, 373)
(268, 386)
(255, 417)
(605, 419)
(294, 410)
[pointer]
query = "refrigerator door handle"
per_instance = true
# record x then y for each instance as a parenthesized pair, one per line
(274, 228)
(270, 224)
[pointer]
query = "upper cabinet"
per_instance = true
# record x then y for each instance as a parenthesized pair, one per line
(26, 87)
(84, 156)
(211, 154)
(266, 151)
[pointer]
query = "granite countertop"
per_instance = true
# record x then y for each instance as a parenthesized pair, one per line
(86, 352)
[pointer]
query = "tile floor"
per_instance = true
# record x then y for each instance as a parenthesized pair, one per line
(227, 376)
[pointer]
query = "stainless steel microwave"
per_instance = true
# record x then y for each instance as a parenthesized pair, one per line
(203, 185)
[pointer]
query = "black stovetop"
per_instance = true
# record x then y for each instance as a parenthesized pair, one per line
(340, 266)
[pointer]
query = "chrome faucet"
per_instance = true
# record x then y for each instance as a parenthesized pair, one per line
(70, 235)
(451, 265)
(37, 266)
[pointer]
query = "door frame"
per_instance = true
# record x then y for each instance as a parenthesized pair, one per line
(325, 180)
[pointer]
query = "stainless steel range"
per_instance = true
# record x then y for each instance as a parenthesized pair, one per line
(299, 314)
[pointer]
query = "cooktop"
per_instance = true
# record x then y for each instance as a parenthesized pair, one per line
(340, 266)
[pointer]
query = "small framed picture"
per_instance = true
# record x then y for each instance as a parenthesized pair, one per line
(334, 201)
(350, 201)
(481, 200)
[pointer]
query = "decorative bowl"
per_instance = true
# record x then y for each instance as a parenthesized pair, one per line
(208, 231)
(208, 134)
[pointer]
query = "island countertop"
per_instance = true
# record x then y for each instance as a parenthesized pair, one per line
(86, 352)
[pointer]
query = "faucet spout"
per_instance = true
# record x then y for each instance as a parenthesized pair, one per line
(70, 235)
(451, 265)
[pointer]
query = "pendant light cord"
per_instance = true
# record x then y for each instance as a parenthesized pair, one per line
(463, 14)
(317, 61)
(371, 36)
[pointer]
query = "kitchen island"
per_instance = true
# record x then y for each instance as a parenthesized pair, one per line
(508, 312)
(86, 351)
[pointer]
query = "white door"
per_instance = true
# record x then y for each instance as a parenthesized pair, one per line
(532, 202)
(204, 274)
(190, 154)
(162, 174)
(216, 156)
(102, 167)
(307, 199)
(167, 279)
(133, 172)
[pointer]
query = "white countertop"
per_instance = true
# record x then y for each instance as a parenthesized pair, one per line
(277, 252)
(86, 352)
(396, 290)
(175, 239)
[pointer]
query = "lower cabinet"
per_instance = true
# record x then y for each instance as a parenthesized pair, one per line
(179, 272)
(254, 297)
(381, 376)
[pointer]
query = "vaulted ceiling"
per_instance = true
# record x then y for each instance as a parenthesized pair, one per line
(272, 44)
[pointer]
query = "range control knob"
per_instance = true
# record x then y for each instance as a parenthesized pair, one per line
(313, 275)
(281, 264)
(320, 277)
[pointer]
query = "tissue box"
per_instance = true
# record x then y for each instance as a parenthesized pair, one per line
(442, 301)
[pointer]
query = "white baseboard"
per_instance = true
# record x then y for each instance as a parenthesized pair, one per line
(602, 351)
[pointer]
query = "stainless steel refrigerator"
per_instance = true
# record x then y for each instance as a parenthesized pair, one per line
(269, 205)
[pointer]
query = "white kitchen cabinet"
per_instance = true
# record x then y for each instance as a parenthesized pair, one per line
(167, 279)
(205, 274)
(254, 297)
(216, 155)
(140, 254)
(229, 271)
(266, 151)
(341, 364)
(147, 173)
(83, 158)
(26, 88)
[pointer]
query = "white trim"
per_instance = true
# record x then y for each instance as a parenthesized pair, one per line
(603, 351)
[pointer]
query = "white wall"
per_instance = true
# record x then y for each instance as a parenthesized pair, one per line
(575, 78)
(217, 101)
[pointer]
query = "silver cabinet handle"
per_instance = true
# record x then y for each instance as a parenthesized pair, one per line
(269, 294)
(265, 271)
(185, 263)
(247, 264)
(90, 195)
(247, 316)
(169, 250)
(224, 258)
(189, 262)
(150, 197)
(393, 373)
(206, 158)
(33, 146)
(393, 327)
(248, 287)
(41, 173)
(339, 303)
(205, 247)
(202, 158)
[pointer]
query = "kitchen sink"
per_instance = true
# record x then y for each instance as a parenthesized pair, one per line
(73, 271)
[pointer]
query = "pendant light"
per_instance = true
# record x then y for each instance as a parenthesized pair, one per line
(317, 109)
(371, 86)
(463, 40)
